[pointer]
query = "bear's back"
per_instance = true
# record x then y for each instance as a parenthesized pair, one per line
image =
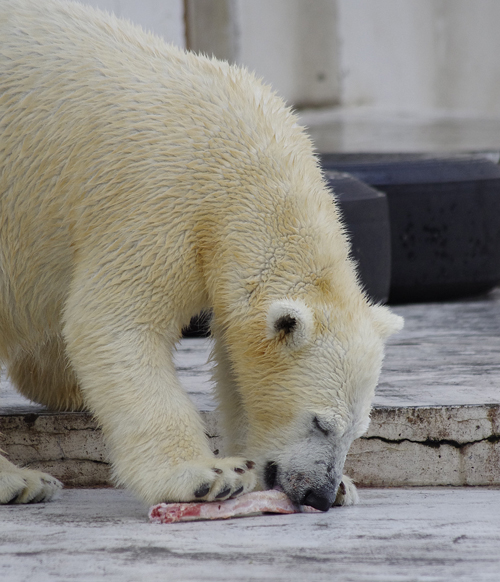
(111, 134)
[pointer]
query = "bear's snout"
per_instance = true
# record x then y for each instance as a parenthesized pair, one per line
(322, 499)
(302, 488)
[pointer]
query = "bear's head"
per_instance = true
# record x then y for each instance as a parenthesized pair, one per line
(309, 394)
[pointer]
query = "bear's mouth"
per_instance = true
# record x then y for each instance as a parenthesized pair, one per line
(271, 474)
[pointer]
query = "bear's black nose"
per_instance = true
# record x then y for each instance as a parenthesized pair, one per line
(317, 500)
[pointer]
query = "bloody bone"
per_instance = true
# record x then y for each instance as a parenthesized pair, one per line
(249, 504)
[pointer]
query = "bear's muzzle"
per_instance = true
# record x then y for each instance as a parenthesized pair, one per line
(303, 488)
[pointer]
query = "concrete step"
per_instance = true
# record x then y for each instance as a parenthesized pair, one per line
(436, 419)
(368, 129)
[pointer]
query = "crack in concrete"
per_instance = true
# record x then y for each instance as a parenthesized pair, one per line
(435, 443)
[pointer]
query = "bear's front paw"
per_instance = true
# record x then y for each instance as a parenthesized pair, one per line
(347, 493)
(207, 479)
(231, 477)
(27, 486)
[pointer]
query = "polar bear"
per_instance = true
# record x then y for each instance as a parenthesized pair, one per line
(140, 185)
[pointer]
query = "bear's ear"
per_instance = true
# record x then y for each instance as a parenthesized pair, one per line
(386, 322)
(290, 320)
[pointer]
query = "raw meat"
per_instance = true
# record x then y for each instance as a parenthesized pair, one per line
(272, 501)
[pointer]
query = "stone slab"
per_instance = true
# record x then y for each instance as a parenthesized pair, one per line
(448, 446)
(401, 535)
(447, 354)
(366, 129)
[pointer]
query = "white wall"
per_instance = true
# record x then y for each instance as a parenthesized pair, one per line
(387, 53)
(163, 17)
(399, 55)
(292, 44)
(469, 47)
(421, 54)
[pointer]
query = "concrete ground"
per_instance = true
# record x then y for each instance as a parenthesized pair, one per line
(394, 535)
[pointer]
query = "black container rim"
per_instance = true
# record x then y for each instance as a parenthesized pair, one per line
(389, 169)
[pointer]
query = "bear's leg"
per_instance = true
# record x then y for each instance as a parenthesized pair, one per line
(230, 407)
(155, 436)
(43, 374)
(19, 485)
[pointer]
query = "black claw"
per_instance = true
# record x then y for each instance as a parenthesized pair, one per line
(239, 470)
(202, 490)
(224, 493)
(250, 464)
(237, 492)
(218, 471)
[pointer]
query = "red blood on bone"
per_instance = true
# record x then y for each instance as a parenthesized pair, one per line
(172, 512)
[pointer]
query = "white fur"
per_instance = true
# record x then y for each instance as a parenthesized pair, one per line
(19, 485)
(142, 184)
(386, 322)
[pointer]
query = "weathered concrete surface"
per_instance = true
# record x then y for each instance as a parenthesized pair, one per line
(365, 129)
(429, 535)
(403, 447)
(436, 419)
(67, 445)
(447, 354)
(425, 446)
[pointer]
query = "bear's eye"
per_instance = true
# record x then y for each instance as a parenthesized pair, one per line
(322, 428)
